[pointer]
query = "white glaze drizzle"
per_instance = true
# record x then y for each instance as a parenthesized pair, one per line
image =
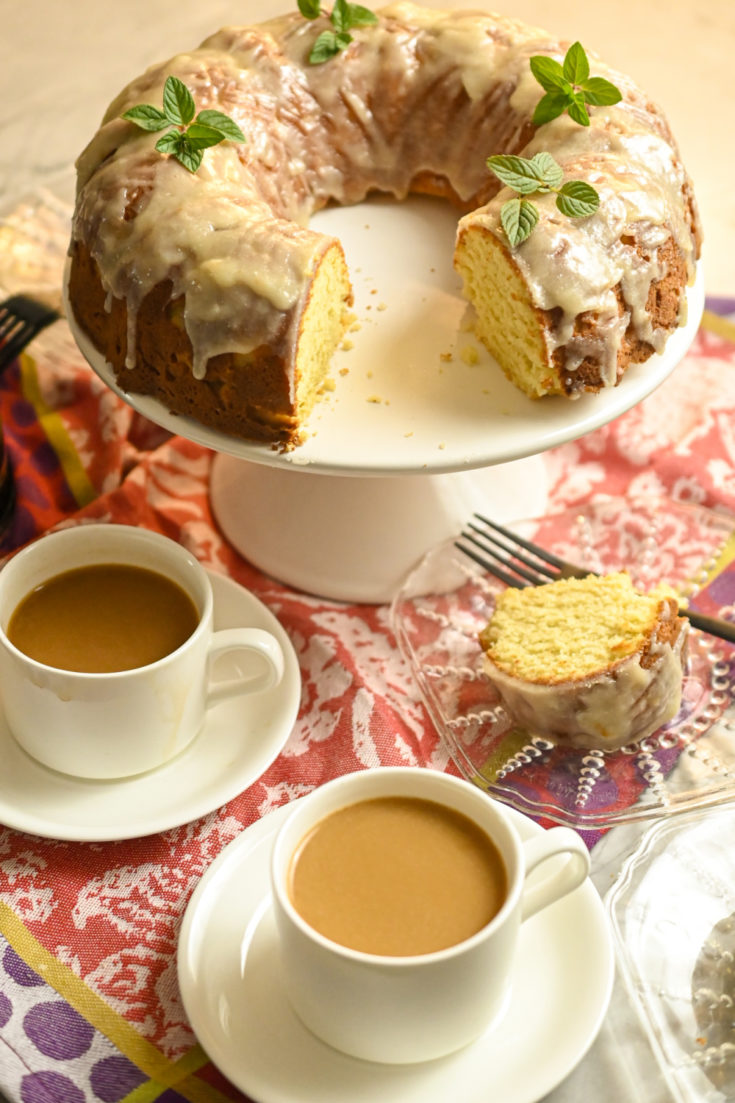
(233, 238)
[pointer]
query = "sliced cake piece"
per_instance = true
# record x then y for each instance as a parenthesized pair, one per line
(589, 662)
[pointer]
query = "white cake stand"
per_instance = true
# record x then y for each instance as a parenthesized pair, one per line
(420, 430)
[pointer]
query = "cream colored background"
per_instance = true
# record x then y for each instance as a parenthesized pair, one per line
(61, 63)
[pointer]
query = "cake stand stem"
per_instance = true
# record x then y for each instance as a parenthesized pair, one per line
(354, 538)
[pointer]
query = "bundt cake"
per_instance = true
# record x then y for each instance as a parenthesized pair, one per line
(589, 662)
(208, 290)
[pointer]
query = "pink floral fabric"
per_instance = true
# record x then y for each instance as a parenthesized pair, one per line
(89, 1003)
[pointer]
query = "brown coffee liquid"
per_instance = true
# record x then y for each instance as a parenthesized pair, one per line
(103, 618)
(397, 876)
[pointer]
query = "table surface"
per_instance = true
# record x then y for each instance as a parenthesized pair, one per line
(63, 63)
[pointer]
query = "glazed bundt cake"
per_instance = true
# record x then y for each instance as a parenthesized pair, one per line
(589, 662)
(208, 290)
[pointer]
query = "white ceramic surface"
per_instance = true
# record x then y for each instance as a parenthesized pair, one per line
(229, 980)
(401, 407)
(118, 723)
(240, 739)
(406, 1009)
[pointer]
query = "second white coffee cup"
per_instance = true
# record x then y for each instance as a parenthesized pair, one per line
(395, 1009)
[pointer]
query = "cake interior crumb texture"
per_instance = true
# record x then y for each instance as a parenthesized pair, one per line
(573, 628)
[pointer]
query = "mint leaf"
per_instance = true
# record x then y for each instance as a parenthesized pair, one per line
(199, 136)
(599, 91)
(177, 145)
(576, 199)
(361, 17)
(185, 140)
(344, 17)
(515, 172)
(340, 17)
(178, 102)
(577, 110)
(569, 87)
(542, 174)
(221, 122)
(547, 170)
(325, 47)
(190, 158)
(518, 217)
(548, 72)
(146, 117)
(576, 67)
(550, 107)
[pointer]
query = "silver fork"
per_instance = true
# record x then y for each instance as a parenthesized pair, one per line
(21, 319)
(520, 562)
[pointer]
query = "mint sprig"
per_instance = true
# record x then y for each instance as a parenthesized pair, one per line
(539, 174)
(186, 137)
(569, 87)
(344, 17)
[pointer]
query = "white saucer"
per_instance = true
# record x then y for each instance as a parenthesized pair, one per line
(229, 979)
(241, 738)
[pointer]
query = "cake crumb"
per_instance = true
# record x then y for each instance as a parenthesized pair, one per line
(445, 356)
(347, 344)
(442, 446)
(327, 385)
(409, 434)
(382, 306)
(375, 398)
(470, 355)
(344, 371)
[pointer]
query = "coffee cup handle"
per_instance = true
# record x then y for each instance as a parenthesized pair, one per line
(564, 878)
(252, 641)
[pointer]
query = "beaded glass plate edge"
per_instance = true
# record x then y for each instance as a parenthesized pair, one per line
(688, 763)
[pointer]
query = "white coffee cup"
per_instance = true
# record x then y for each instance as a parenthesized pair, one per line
(114, 725)
(414, 1008)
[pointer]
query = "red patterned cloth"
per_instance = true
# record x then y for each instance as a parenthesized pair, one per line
(89, 1004)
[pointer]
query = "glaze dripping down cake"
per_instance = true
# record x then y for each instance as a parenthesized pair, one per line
(209, 291)
(588, 662)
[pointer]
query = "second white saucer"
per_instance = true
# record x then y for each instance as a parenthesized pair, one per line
(229, 976)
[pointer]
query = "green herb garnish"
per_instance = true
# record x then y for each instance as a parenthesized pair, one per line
(569, 87)
(344, 17)
(540, 174)
(187, 137)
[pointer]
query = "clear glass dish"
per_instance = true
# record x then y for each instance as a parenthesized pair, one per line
(447, 599)
(673, 919)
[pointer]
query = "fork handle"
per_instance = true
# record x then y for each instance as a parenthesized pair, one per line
(723, 629)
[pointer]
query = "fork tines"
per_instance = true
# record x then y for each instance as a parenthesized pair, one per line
(21, 319)
(507, 556)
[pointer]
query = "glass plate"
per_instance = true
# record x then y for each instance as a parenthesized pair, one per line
(447, 599)
(673, 918)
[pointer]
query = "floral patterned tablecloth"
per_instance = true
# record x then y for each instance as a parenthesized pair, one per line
(90, 1010)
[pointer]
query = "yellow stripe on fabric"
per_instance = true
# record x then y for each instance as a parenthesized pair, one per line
(53, 426)
(723, 560)
(720, 326)
(184, 1082)
(162, 1072)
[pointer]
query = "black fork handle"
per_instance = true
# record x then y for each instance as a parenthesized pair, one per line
(713, 626)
